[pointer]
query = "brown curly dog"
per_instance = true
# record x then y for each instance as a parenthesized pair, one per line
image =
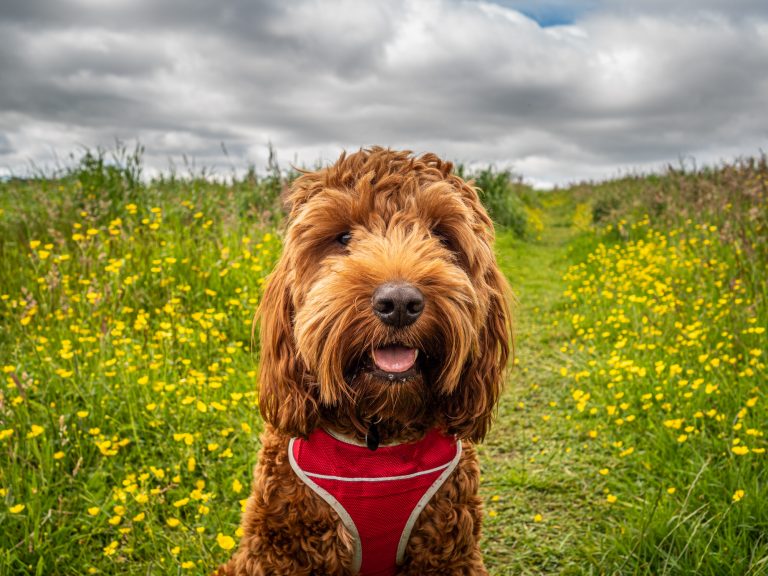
(385, 331)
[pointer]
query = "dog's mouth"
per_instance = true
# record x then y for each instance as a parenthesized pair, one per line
(395, 361)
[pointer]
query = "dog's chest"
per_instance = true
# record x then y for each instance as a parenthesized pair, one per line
(377, 494)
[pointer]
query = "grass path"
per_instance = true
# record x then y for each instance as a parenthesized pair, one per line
(533, 484)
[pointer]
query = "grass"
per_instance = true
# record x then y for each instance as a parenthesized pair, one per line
(630, 439)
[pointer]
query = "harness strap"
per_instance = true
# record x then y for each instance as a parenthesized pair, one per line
(377, 495)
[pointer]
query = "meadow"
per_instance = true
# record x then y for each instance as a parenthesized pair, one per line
(631, 438)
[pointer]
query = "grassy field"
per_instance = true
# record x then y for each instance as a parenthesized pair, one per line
(631, 438)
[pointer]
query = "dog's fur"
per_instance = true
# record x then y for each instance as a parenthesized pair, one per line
(410, 219)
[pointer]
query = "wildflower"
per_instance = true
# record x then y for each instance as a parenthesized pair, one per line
(225, 542)
(738, 495)
(17, 509)
(35, 431)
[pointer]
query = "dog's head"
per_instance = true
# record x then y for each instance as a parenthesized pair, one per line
(387, 305)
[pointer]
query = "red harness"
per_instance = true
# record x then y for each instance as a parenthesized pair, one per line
(378, 495)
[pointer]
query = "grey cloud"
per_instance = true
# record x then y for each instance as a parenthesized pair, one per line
(5, 145)
(621, 86)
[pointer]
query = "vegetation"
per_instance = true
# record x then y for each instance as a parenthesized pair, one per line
(631, 438)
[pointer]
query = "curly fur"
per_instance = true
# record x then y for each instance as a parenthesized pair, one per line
(412, 220)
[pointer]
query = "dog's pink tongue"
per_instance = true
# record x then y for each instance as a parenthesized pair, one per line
(394, 358)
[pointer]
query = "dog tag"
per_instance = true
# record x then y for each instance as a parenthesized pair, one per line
(372, 438)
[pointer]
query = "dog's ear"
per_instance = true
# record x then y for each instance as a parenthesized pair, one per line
(472, 405)
(286, 399)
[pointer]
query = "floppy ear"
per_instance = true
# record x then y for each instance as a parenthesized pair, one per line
(287, 399)
(472, 405)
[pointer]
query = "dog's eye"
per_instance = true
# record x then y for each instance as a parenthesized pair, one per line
(443, 238)
(344, 238)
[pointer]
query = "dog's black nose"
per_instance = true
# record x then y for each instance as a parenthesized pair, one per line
(397, 303)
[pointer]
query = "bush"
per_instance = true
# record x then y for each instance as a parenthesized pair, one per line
(500, 192)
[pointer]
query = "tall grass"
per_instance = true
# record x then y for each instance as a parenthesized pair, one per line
(666, 369)
(127, 412)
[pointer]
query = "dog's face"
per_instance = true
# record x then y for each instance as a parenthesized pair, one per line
(386, 306)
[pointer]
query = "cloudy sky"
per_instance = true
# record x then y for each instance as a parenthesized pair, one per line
(558, 90)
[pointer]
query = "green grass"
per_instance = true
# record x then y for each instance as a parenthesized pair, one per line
(128, 418)
(128, 414)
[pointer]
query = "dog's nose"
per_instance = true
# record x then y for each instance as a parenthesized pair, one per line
(397, 303)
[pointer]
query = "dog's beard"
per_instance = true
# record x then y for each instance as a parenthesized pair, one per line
(400, 408)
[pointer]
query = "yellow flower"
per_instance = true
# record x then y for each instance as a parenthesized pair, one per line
(236, 486)
(173, 522)
(738, 495)
(58, 455)
(139, 517)
(740, 450)
(35, 431)
(611, 498)
(93, 510)
(16, 509)
(225, 542)
(538, 518)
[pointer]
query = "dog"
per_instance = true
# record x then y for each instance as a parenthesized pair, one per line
(385, 330)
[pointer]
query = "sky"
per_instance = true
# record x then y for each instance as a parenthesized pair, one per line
(557, 91)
